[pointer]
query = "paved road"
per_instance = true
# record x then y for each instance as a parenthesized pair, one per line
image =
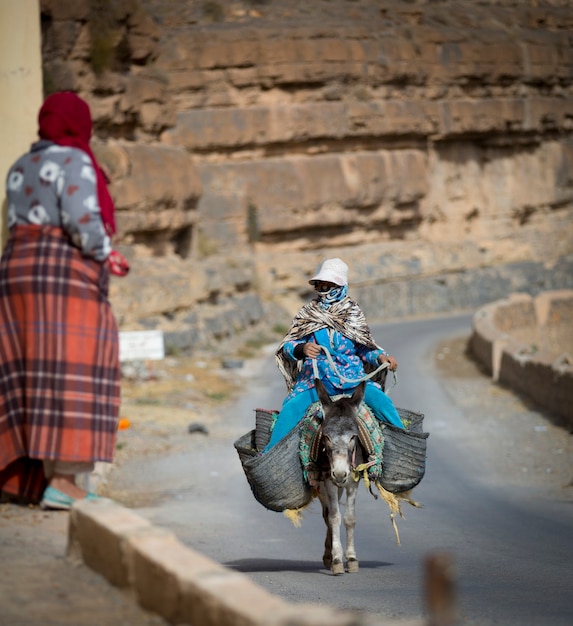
(512, 546)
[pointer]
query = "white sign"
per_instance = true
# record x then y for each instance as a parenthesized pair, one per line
(141, 345)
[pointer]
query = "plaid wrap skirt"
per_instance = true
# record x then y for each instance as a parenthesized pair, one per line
(59, 359)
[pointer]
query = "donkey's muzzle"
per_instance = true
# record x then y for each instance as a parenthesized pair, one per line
(340, 476)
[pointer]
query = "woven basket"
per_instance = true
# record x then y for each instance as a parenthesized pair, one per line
(264, 421)
(404, 456)
(412, 420)
(275, 477)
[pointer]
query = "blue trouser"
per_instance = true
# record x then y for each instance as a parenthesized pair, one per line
(293, 411)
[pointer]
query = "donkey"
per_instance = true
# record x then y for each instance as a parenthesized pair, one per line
(341, 453)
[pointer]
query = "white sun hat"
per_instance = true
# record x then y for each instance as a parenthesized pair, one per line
(332, 271)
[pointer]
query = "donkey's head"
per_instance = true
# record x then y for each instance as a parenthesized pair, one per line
(340, 431)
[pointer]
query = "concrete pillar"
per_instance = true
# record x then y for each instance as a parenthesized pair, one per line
(20, 85)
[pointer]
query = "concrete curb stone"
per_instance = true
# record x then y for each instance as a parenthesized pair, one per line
(183, 586)
(96, 535)
(535, 371)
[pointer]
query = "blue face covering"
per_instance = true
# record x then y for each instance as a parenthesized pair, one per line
(333, 295)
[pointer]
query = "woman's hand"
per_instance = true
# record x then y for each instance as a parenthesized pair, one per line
(386, 358)
(118, 264)
(311, 350)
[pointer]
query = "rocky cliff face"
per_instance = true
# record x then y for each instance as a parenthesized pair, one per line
(428, 143)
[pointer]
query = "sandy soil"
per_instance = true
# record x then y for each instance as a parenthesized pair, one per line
(38, 584)
(522, 446)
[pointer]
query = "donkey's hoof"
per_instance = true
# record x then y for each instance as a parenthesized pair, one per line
(352, 566)
(327, 562)
(337, 568)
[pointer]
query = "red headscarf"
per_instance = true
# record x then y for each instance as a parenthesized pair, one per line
(66, 120)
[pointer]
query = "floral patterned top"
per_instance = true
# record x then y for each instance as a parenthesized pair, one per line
(348, 356)
(56, 185)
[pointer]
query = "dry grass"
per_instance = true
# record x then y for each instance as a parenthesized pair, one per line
(179, 392)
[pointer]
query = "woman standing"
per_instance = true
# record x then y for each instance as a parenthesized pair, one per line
(59, 353)
(335, 322)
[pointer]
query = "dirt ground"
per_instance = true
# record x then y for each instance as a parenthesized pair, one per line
(182, 395)
(39, 585)
(524, 447)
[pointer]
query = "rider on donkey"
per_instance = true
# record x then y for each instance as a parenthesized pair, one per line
(334, 322)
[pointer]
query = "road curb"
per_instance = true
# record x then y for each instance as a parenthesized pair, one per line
(184, 586)
(532, 370)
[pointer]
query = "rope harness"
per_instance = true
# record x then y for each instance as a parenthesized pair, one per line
(359, 471)
(356, 381)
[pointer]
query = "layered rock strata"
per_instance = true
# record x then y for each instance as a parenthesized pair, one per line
(429, 144)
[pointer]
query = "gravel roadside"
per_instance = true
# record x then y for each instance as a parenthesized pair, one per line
(520, 445)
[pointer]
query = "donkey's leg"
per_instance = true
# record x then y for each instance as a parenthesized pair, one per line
(327, 556)
(349, 524)
(334, 522)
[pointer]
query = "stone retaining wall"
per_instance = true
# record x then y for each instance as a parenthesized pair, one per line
(526, 343)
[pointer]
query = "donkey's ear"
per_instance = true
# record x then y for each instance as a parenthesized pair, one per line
(322, 393)
(358, 394)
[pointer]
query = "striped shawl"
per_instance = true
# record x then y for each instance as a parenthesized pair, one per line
(345, 316)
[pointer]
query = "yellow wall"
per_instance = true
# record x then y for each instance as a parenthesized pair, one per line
(20, 85)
